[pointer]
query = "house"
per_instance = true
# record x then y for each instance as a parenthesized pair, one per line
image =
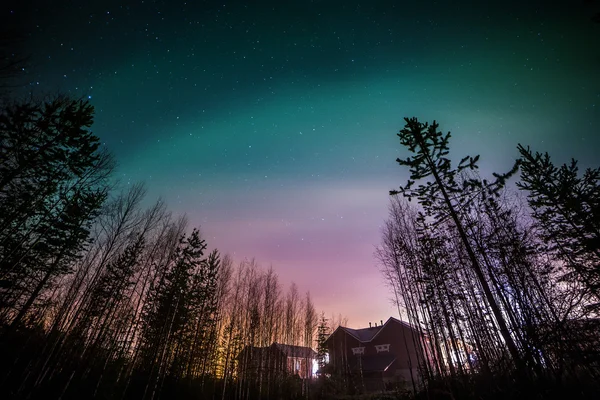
(377, 357)
(277, 359)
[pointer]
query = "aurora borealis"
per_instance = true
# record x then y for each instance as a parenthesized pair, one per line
(272, 123)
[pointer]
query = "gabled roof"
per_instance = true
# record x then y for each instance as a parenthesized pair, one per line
(365, 335)
(296, 351)
(287, 350)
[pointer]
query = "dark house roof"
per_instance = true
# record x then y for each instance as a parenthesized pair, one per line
(365, 335)
(285, 349)
(295, 351)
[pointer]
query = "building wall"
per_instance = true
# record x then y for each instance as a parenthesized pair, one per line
(300, 366)
(257, 362)
(340, 346)
(403, 344)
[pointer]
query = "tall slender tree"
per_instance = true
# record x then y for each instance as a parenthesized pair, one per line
(443, 198)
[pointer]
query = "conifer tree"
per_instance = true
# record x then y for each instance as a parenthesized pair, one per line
(53, 181)
(322, 335)
(167, 319)
(443, 198)
(566, 206)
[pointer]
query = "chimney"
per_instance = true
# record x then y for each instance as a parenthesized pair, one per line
(369, 324)
(375, 324)
(381, 322)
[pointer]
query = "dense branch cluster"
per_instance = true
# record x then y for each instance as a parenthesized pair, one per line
(103, 297)
(498, 290)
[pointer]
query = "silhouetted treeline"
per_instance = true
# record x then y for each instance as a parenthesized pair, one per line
(505, 290)
(103, 297)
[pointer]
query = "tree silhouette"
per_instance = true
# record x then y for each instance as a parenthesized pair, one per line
(322, 334)
(443, 197)
(53, 182)
(566, 206)
(100, 298)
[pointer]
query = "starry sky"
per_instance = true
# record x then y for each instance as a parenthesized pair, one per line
(272, 123)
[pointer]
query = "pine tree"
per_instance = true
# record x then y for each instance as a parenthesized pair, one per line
(322, 335)
(53, 181)
(167, 319)
(566, 207)
(443, 199)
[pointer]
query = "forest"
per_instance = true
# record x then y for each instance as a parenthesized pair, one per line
(104, 297)
(501, 280)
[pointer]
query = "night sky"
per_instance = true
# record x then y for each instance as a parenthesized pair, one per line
(272, 124)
